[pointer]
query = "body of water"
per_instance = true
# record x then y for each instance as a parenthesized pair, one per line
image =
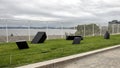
(25, 32)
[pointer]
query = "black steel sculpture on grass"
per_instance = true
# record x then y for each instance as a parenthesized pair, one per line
(72, 37)
(76, 40)
(40, 37)
(107, 35)
(22, 44)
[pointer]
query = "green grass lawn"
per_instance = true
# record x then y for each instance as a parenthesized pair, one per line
(11, 56)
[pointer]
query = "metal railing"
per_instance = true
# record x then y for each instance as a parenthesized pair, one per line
(11, 34)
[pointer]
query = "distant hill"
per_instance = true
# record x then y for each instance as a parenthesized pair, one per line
(37, 27)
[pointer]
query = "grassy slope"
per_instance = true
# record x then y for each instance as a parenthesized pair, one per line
(49, 50)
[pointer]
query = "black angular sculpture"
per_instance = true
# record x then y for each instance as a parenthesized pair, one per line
(40, 37)
(107, 35)
(22, 44)
(76, 40)
(69, 37)
(72, 37)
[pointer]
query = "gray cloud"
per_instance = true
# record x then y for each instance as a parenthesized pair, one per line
(77, 11)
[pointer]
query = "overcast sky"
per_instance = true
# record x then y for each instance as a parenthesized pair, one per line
(82, 11)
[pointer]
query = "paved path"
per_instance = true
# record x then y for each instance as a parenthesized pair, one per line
(107, 59)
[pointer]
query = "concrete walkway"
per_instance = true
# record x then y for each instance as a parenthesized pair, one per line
(107, 59)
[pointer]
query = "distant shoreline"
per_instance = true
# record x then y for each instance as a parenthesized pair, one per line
(37, 27)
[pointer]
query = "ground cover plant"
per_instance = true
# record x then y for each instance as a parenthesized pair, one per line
(11, 56)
